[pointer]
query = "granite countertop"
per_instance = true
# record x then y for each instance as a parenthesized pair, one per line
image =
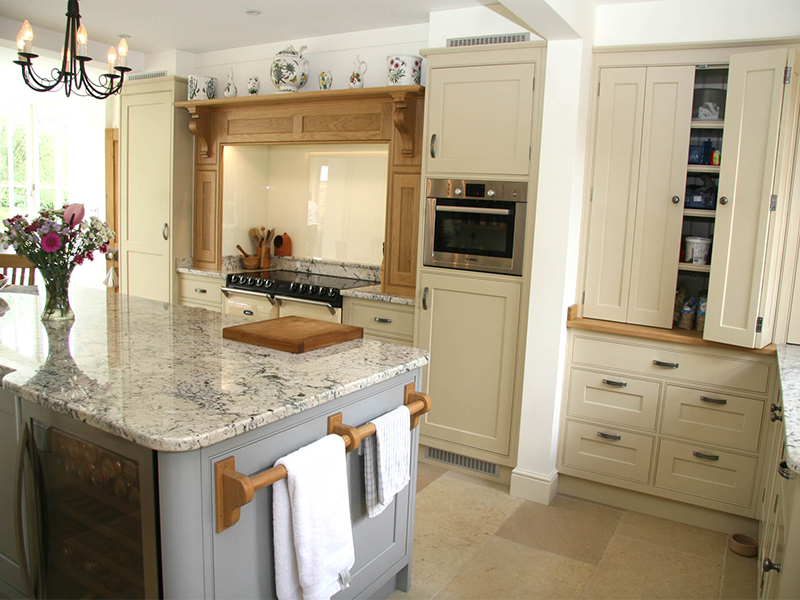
(373, 292)
(161, 375)
(789, 368)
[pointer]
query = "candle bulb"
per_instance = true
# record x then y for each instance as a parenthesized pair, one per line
(112, 59)
(27, 36)
(123, 52)
(83, 41)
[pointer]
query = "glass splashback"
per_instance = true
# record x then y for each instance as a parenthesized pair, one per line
(329, 198)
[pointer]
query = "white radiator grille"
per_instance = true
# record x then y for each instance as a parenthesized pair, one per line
(482, 40)
(150, 75)
(465, 462)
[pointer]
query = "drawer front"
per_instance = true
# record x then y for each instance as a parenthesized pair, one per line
(384, 318)
(614, 398)
(627, 457)
(712, 417)
(201, 289)
(728, 479)
(251, 307)
(206, 305)
(727, 372)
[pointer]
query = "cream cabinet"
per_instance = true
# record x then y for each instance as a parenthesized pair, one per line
(470, 326)
(665, 419)
(155, 187)
(201, 291)
(480, 108)
(641, 148)
(10, 574)
(382, 321)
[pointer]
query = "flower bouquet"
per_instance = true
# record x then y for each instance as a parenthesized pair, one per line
(55, 242)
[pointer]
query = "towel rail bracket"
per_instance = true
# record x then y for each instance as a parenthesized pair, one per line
(233, 489)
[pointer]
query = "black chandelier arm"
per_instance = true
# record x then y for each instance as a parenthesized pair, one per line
(108, 84)
(38, 83)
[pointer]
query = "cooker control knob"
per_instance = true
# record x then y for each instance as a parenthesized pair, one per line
(303, 288)
(268, 283)
(323, 290)
(457, 191)
(313, 289)
(234, 278)
(259, 282)
(332, 293)
(294, 287)
(514, 194)
(251, 280)
(490, 193)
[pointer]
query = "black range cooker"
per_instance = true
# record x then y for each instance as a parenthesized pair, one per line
(306, 286)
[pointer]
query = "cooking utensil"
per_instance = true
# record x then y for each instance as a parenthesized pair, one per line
(264, 255)
(292, 334)
(255, 236)
(270, 236)
(245, 254)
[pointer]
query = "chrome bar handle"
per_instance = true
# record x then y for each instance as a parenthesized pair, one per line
(713, 400)
(471, 210)
(433, 148)
(608, 436)
(425, 299)
(19, 518)
(620, 384)
(282, 299)
(227, 292)
(669, 365)
(784, 470)
(705, 456)
(200, 291)
(165, 231)
(382, 320)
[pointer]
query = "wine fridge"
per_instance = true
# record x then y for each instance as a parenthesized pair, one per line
(85, 511)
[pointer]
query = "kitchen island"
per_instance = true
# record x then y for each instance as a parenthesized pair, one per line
(156, 382)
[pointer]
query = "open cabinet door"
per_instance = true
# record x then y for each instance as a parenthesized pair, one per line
(748, 176)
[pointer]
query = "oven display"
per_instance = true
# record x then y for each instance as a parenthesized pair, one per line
(475, 190)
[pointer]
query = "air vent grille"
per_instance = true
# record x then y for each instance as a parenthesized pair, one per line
(150, 75)
(483, 40)
(465, 462)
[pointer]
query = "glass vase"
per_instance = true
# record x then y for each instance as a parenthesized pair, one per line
(56, 303)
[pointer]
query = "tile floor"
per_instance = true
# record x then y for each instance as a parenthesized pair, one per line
(473, 540)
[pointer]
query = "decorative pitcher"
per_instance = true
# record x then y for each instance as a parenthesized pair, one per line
(253, 84)
(230, 87)
(289, 70)
(357, 78)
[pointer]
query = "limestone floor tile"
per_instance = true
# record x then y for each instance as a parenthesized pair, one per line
(487, 483)
(571, 528)
(503, 569)
(427, 474)
(635, 569)
(686, 538)
(453, 519)
(740, 578)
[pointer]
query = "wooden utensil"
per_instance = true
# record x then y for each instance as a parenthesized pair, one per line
(245, 254)
(264, 250)
(255, 236)
(293, 334)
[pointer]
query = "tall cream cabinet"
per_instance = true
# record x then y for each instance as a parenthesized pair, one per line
(155, 187)
(471, 326)
(641, 148)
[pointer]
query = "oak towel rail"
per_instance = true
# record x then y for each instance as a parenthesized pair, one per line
(233, 489)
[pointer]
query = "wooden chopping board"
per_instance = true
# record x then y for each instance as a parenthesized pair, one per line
(293, 334)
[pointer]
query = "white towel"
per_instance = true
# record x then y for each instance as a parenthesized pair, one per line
(312, 533)
(387, 459)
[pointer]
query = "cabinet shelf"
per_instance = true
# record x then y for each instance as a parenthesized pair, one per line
(699, 212)
(692, 267)
(703, 168)
(698, 124)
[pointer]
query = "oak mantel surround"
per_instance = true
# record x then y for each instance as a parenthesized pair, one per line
(392, 115)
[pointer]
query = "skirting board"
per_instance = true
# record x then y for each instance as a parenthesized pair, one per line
(534, 486)
(656, 506)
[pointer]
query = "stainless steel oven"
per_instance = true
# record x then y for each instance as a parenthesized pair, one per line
(475, 225)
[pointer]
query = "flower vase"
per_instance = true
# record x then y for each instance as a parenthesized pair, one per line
(56, 303)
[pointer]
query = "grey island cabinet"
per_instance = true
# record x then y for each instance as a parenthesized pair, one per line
(111, 430)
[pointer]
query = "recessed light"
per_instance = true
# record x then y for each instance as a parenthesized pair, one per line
(252, 12)
(124, 35)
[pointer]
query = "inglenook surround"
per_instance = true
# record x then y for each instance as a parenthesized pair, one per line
(392, 115)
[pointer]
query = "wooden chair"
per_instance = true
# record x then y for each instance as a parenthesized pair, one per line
(18, 269)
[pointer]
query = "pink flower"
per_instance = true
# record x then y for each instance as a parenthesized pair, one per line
(90, 255)
(51, 242)
(78, 260)
(103, 248)
(73, 214)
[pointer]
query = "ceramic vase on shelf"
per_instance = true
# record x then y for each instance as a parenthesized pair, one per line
(357, 77)
(404, 70)
(325, 80)
(289, 71)
(253, 85)
(202, 88)
(230, 87)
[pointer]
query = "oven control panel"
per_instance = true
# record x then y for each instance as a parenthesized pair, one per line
(501, 191)
(267, 286)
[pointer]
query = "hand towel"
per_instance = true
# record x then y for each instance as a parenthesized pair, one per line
(387, 459)
(312, 533)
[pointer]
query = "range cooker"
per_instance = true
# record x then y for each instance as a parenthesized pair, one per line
(286, 292)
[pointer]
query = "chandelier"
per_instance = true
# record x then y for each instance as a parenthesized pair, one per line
(72, 76)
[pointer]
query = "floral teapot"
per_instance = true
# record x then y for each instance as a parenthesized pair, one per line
(289, 70)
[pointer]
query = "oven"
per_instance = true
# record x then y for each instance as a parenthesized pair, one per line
(475, 225)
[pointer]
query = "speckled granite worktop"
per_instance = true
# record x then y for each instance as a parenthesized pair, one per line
(789, 368)
(162, 376)
(373, 292)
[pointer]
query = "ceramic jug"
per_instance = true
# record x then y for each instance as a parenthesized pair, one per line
(325, 80)
(289, 70)
(253, 84)
(230, 87)
(357, 78)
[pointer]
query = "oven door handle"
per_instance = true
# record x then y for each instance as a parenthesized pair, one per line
(227, 291)
(282, 299)
(477, 211)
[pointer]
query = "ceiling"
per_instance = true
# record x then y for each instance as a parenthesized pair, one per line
(205, 25)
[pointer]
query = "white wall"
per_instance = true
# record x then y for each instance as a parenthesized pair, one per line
(672, 21)
(466, 22)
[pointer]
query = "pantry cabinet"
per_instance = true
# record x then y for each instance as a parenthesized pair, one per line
(641, 147)
(471, 326)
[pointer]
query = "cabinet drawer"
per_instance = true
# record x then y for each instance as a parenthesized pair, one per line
(201, 289)
(628, 457)
(252, 307)
(728, 372)
(728, 478)
(712, 417)
(615, 398)
(384, 318)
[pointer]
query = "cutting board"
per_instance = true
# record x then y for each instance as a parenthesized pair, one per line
(293, 334)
